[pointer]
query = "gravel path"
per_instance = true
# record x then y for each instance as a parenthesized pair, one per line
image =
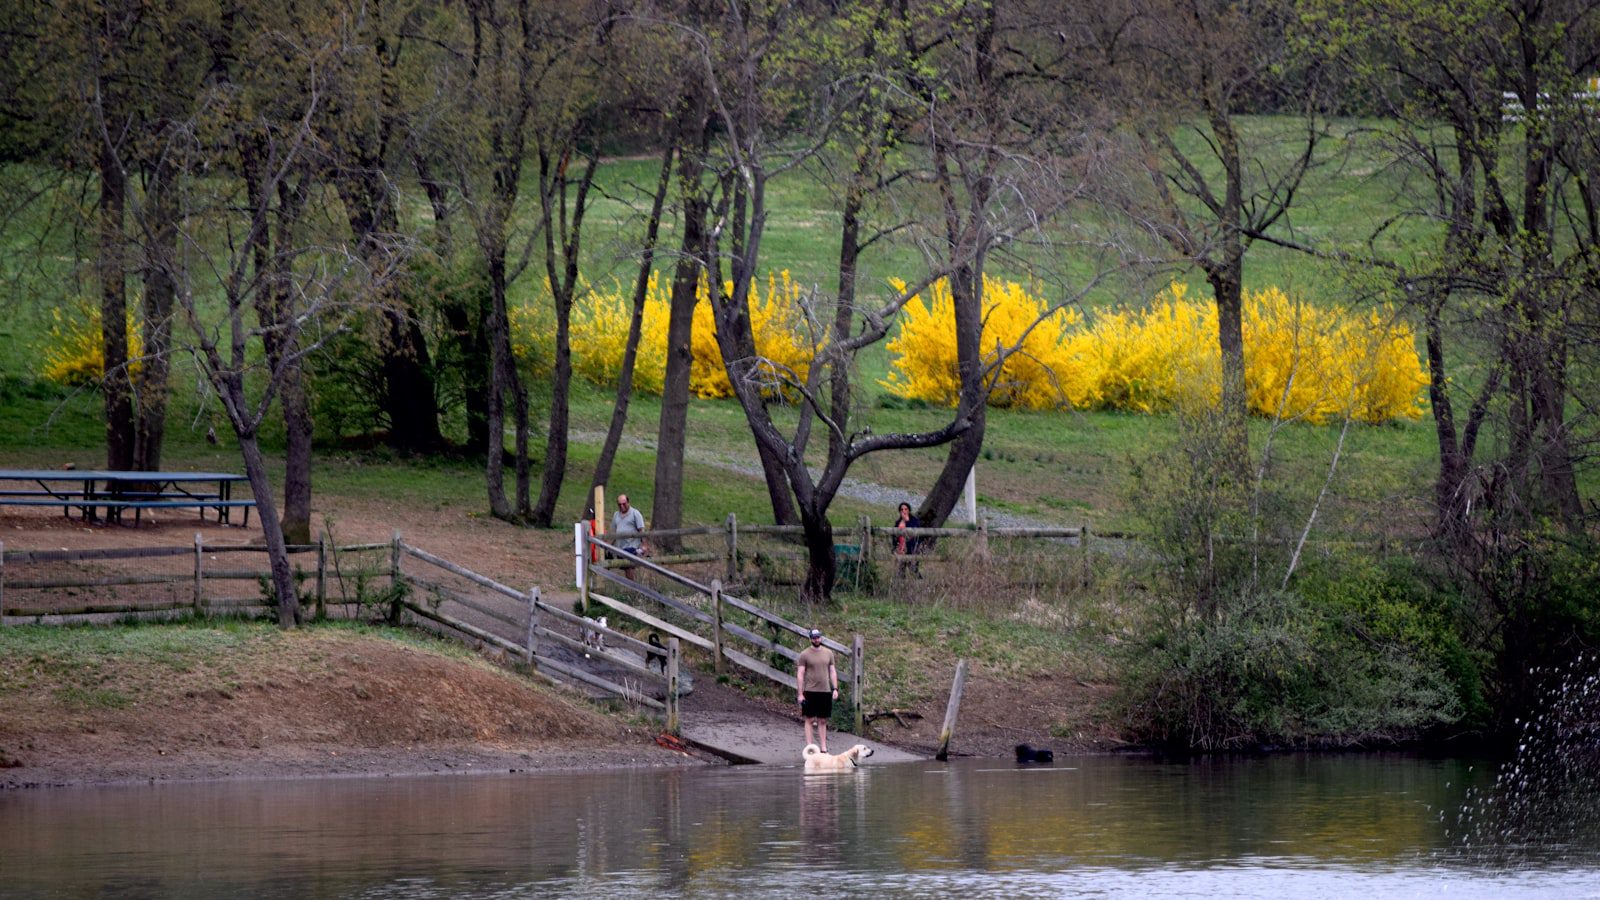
(854, 488)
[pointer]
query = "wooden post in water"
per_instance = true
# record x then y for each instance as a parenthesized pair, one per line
(672, 686)
(199, 550)
(858, 679)
(322, 575)
(395, 607)
(533, 624)
(949, 728)
(716, 625)
(732, 572)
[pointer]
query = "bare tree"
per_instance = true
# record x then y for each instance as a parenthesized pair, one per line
(630, 353)
(309, 278)
(1184, 72)
(1486, 109)
(747, 70)
(495, 76)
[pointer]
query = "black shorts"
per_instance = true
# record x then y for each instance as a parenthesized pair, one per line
(817, 705)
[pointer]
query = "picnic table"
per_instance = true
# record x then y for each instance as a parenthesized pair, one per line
(89, 491)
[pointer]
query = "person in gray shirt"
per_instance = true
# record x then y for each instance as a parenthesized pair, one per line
(627, 521)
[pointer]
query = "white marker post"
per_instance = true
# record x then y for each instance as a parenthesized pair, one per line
(970, 495)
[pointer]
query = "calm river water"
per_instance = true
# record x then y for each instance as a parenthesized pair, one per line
(1282, 826)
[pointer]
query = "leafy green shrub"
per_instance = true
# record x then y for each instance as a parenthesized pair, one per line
(1391, 602)
(1282, 672)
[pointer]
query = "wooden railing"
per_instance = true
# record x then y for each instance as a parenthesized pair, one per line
(530, 628)
(862, 533)
(712, 636)
(199, 574)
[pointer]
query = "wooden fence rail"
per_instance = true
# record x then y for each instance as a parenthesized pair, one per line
(863, 532)
(589, 550)
(199, 574)
(530, 629)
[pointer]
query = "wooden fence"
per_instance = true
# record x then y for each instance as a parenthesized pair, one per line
(530, 627)
(592, 564)
(863, 540)
(195, 579)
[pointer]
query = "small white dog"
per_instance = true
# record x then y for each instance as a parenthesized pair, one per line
(817, 761)
(593, 639)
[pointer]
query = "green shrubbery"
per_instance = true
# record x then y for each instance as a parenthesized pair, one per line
(1242, 647)
(1284, 670)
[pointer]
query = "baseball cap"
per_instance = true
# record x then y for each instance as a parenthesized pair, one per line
(816, 632)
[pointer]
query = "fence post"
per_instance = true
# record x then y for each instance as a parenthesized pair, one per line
(672, 686)
(733, 548)
(857, 679)
(394, 578)
(983, 537)
(533, 622)
(1083, 555)
(580, 558)
(716, 625)
(2, 582)
(199, 554)
(322, 575)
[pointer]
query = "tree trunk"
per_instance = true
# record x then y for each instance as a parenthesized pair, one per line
(467, 322)
(821, 567)
(563, 229)
(1447, 486)
(408, 397)
(255, 468)
(501, 368)
(1227, 284)
(630, 352)
(555, 447)
(160, 290)
(296, 407)
(778, 492)
(409, 400)
(966, 295)
(116, 388)
(667, 506)
(439, 203)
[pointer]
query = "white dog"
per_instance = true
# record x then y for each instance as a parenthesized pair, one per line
(817, 761)
(594, 639)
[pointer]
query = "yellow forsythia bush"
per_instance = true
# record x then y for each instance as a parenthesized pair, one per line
(600, 335)
(74, 353)
(1033, 378)
(1322, 364)
(1301, 361)
(777, 321)
(600, 332)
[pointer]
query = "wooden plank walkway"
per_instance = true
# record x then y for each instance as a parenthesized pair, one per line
(736, 730)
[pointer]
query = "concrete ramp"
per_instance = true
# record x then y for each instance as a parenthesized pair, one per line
(771, 740)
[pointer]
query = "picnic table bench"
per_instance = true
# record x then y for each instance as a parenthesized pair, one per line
(93, 491)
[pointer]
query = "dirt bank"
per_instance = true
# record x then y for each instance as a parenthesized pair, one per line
(254, 702)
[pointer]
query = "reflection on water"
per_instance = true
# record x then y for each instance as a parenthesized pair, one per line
(1298, 825)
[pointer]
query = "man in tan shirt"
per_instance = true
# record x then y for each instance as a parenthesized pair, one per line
(816, 687)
